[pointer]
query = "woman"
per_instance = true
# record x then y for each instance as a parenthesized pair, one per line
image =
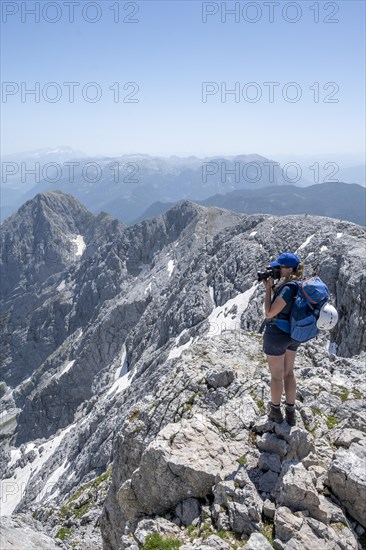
(277, 344)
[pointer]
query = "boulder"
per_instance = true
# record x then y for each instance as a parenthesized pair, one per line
(220, 377)
(347, 480)
(188, 510)
(257, 541)
(15, 533)
(184, 460)
(272, 444)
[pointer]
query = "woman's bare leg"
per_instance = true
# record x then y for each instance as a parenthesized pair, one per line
(289, 376)
(276, 365)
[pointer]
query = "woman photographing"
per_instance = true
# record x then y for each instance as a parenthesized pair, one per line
(278, 346)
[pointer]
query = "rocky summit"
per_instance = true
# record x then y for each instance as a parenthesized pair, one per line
(134, 385)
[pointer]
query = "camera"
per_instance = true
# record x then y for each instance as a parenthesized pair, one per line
(273, 272)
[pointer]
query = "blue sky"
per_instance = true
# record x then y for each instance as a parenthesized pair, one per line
(169, 53)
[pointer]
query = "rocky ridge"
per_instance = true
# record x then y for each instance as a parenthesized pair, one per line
(166, 367)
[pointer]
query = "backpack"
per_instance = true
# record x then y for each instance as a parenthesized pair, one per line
(312, 295)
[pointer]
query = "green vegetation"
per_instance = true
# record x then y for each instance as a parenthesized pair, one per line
(69, 509)
(205, 530)
(344, 395)
(252, 438)
(222, 534)
(331, 421)
(135, 415)
(259, 401)
(157, 542)
(242, 460)
(268, 530)
(63, 533)
(357, 394)
(193, 532)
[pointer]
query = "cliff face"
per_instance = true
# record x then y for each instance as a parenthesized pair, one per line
(140, 349)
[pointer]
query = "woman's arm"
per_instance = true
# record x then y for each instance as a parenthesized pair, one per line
(271, 310)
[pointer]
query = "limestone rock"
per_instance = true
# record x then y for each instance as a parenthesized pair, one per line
(220, 377)
(161, 526)
(347, 480)
(257, 541)
(184, 460)
(15, 533)
(188, 510)
(296, 489)
(270, 443)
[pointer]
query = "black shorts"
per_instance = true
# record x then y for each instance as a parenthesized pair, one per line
(276, 341)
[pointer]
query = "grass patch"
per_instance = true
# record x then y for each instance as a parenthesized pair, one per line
(205, 530)
(79, 512)
(357, 394)
(63, 533)
(193, 532)
(316, 411)
(331, 421)
(103, 477)
(344, 395)
(242, 460)
(268, 530)
(157, 542)
(134, 415)
(222, 534)
(252, 438)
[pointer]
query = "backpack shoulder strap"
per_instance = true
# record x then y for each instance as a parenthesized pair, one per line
(289, 283)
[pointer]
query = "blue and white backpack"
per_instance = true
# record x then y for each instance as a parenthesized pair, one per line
(312, 295)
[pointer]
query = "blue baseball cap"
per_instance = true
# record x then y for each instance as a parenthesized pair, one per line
(287, 260)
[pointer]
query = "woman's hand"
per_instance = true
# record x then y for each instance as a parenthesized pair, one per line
(268, 283)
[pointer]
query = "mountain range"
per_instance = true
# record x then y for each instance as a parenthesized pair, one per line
(134, 382)
(128, 185)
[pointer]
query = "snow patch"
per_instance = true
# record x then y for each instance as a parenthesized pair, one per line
(61, 286)
(177, 351)
(13, 489)
(170, 267)
(51, 482)
(122, 377)
(148, 288)
(323, 248)
(305, 243)
(65, 368)
(79, 245)
(253, 233)
(339, 235)
(212, 296)
(227, 317)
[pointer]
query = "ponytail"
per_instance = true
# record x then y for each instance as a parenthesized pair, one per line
(299, 273)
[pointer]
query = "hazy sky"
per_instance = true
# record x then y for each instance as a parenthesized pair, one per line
(151, 76)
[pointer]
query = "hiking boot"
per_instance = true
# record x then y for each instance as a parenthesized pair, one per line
(275, 413)
(290, 415)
